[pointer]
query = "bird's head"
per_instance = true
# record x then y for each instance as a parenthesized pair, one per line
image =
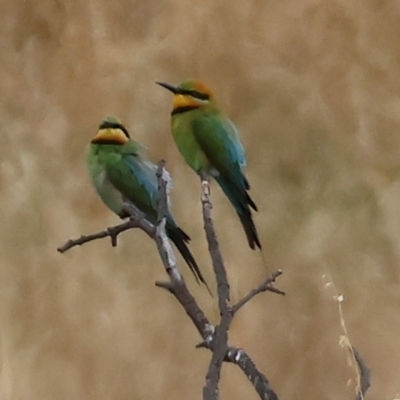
(111, 131)
(188, 95)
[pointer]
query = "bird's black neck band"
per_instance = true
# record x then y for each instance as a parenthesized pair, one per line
(107, 141)
(180, 110)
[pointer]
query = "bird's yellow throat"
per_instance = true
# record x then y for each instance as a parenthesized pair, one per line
(110, 136)
(181, 101)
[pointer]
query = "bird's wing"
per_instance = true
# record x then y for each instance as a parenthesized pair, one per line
(135, 177)
(219, 140)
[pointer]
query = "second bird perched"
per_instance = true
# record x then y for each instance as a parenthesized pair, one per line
(120, 172)
(209, 142)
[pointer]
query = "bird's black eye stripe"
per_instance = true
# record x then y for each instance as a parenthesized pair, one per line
(123, 129)
(114, 125)
(195, 93)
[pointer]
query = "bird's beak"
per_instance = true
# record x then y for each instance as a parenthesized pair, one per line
(169, 87)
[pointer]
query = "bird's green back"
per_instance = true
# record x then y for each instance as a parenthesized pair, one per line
(120, 172)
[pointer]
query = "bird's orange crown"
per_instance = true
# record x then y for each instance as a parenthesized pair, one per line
(193, 93)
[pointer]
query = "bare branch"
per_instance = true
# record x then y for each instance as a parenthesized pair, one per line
(168, 286)
(136, 220)
(177, 285)
(219, 345)
(162, 191)
(213, 246)
(253, 374)
(220, 342)
(180, 291)
(164, 246)
(264, 286)
(219, 349)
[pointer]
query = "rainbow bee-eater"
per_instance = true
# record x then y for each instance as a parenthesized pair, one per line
(121, 172)
(209, 142)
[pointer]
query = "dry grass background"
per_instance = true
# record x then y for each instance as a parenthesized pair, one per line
(314, 88)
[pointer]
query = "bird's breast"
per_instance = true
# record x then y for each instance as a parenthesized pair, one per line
(111, 197)
(188, 146)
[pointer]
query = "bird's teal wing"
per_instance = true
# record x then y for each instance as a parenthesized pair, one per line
(136, 179)
(219, 140)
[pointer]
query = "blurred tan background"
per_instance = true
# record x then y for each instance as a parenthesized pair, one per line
(314, 88)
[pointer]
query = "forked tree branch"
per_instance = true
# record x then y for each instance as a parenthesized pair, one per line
(263, 287)
(136, 220)
(214, 338)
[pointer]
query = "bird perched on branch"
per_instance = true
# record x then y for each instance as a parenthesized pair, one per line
(120, 172)
(209, 142)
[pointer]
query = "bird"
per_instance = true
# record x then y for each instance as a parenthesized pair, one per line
(209, 142)
(120, 172)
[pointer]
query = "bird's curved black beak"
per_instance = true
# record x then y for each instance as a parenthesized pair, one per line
(169, 87)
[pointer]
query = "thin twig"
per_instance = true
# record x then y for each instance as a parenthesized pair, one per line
(264, 286)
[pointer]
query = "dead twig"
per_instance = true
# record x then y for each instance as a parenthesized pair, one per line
(264, 286)
(136, 220)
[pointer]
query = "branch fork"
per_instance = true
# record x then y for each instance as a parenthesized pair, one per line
(214, 338)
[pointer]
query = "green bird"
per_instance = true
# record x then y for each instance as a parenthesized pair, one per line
(120, 172)
(209, 142)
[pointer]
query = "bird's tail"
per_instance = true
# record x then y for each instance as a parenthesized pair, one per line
(180, 239)
(242, 202)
